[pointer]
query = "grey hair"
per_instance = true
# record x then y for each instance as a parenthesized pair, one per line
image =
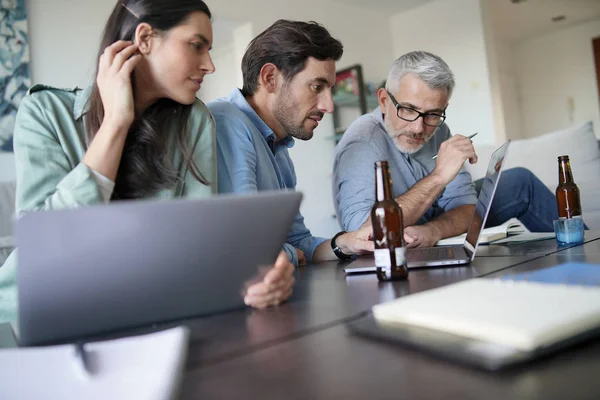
(430, 68)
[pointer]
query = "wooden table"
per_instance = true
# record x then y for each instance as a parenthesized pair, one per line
(302, 349)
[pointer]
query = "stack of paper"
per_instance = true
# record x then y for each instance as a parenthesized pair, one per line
(142, 367)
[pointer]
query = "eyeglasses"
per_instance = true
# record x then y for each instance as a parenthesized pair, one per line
(410, 114)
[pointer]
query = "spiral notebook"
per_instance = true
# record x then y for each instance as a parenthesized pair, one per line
(493, 323)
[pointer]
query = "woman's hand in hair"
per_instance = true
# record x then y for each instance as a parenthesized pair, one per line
(114, 83)
(275, 287)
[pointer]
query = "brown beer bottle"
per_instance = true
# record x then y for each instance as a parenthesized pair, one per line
(386, 216)
(567, 192)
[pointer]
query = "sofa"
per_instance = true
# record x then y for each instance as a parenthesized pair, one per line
(7, 211)
(540, 155)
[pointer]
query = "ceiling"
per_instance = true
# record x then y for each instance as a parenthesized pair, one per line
(386, 6)
(510, 21)
(223, 32)
(534, 17)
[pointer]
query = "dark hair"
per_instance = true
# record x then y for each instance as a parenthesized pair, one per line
(145, 166)
(287, 45)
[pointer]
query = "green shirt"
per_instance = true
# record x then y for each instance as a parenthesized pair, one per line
(50, 141)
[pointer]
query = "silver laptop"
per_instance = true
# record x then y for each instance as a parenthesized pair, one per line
(103, 268)
(457, 254)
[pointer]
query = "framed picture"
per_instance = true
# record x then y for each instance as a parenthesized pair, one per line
(349, 80)
(14, 66)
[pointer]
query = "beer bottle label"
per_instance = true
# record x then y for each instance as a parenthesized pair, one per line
(382, 258)
(400, 256)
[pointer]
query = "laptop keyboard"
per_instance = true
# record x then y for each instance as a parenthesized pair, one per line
(430, 254)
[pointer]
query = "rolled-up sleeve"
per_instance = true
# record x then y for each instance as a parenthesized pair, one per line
(459, 192)
(301, 238)
(291, 253)
(105, 185)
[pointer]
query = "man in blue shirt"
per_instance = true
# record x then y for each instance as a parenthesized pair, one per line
(288, 71)
(437, 196)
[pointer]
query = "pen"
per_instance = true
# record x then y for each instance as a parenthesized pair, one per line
(470, 137)
(82, 359)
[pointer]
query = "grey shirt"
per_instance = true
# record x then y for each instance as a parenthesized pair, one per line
(366, 142)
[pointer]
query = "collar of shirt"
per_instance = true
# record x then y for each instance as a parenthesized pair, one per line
(237, 98)
(82, 105)
(378, 115)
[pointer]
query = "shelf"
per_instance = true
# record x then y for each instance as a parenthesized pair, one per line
(345, 99)
(349, 81)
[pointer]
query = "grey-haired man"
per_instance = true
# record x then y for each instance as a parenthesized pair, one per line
(437, 196)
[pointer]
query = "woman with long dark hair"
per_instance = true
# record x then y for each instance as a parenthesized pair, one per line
(138, 132)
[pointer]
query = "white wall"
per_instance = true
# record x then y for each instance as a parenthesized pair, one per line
(493, 55)
(227, 56)
(62, 52)
(64, 36)
(313, 161)
(229, 45)
(364, 33)
(242, 36)
(555, 71)
(224, 78)
(509, 93)
(454, 31)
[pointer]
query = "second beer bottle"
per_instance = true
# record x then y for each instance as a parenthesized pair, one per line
(386, 216)
(567, 192)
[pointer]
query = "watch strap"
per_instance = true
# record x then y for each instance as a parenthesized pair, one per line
(336, 249)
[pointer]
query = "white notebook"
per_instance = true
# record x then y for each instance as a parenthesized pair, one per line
(519, 314)
(141, 367)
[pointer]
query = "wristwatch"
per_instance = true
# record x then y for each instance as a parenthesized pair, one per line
(336, 250)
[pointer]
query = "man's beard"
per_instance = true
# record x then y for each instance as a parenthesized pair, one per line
(395, 134)
(286, 111)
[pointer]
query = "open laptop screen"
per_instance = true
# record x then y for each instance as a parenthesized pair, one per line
(484, 200)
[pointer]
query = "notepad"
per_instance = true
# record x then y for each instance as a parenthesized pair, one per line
(511, 227)
(521, 314)
(141, 367)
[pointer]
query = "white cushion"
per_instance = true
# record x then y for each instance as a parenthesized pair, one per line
(540, 156)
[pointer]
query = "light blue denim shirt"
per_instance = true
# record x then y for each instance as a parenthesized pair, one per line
(249, 160)
(365, 142)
